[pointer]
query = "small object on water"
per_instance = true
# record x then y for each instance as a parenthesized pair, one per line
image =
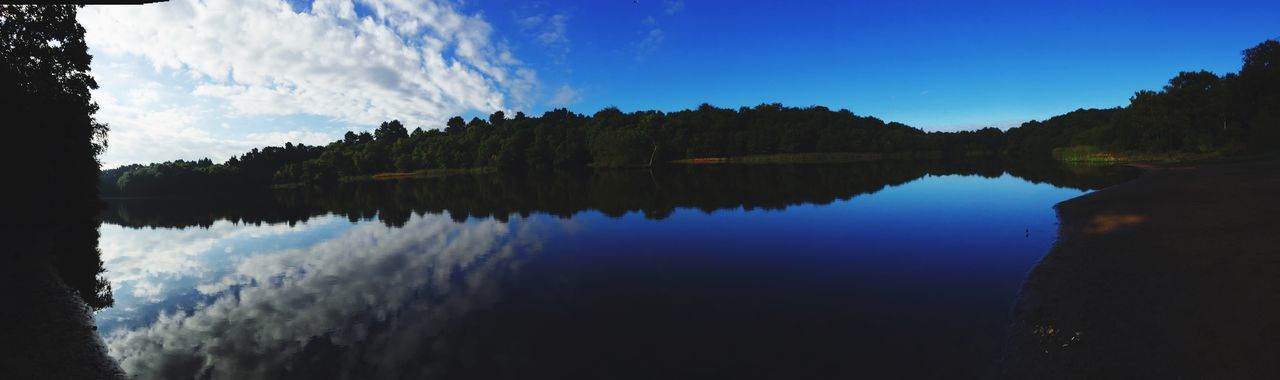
(1027, 232)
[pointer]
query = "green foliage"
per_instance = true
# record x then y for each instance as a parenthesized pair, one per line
(1083, 153)
(248, 171)
(390, 131)
(557, 139)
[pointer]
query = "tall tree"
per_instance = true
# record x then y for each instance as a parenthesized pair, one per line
(454, 124)
(390, 131)
(497, 118)
(1259, 92)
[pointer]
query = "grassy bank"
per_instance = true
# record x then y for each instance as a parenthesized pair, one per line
(428, 173)
(1091, 154)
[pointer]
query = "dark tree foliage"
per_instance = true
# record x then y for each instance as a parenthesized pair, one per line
(1040, 137)
(1196, 112)
(56, 140)
(390, 131)
(557, 139)
(247, 171)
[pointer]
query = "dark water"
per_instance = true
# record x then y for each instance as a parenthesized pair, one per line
(773, 271)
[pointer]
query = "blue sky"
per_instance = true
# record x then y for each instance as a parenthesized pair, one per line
(187, 79)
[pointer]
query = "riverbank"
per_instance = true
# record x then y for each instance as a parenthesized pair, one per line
(1175, 274)
(49, 331)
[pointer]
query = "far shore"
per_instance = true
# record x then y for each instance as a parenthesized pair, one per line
(781, 158)
(1175, 274)
(822, 158)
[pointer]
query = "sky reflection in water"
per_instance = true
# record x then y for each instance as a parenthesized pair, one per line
(923, 272)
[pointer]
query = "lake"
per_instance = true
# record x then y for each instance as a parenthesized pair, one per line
(894, 268)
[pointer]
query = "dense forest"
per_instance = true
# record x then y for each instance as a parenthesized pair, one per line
(558, 139)
(1197, 113)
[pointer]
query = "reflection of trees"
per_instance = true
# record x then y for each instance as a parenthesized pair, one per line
(655, 193)
(79, 262)
(1076, 176)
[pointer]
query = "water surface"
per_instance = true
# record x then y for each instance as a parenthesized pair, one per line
(774, 271)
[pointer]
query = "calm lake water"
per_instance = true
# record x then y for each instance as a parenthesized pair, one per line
(769, 271)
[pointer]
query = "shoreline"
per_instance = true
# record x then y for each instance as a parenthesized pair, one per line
(1174, 274)
(52, 330)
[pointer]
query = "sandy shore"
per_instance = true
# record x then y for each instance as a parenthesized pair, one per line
(1173, 275)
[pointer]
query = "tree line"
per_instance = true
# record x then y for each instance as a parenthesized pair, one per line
(558, 139)
(1197, 112)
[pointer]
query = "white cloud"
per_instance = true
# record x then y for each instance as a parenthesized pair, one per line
(565, 96)
(650, 44)
(421, 62)
(530, 22)
(555, 30)
(672, 6)
(149, 124)
(549, 31)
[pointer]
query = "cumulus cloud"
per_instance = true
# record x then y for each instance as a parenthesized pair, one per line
(421, 62)
(371, 302)
(148, 125)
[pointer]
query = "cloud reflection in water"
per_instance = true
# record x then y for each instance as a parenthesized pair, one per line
(365, 304)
